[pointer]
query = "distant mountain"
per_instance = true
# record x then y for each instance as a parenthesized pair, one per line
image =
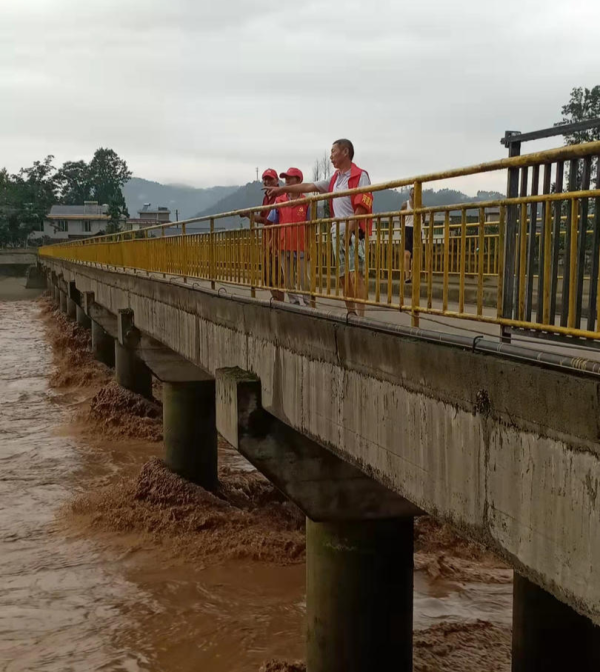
(188, 200)
(391, 200)
(384, 201)
(243, 197)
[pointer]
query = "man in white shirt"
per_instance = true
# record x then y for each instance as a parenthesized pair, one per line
(408, 235)
(347, 176)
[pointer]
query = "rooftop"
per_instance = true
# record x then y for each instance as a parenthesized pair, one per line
(148, 209)
(87, 210)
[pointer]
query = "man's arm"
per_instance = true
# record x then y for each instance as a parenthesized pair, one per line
(302, 188)
(258, 218)
(353, 223)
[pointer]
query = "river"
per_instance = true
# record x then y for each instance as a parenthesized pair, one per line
(80, 597)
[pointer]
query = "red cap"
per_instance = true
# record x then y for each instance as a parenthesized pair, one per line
(292, 172)
(270, 172)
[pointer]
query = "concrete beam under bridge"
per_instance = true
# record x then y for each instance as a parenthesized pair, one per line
(359, 537)
(164, 363)
(324, 486)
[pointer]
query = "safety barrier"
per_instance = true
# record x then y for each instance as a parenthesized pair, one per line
(528, 262)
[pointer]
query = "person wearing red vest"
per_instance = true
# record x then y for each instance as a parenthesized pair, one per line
(347, 176)
(291, 236)
(271, 248)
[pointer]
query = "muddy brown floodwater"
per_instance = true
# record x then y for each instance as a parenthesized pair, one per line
(109, 562)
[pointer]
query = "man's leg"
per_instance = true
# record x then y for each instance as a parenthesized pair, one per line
(407, 265)
(356, 289)
(349, 292)
(289, 276)
(277, 294)
(356, 280)
(360, 293)
(304, 270)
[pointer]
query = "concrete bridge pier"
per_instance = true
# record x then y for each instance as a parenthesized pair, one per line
(82, 319)
(548, 635)
(359, 537)
(359, 595)
(103, 345)
(189, 425)
(190, 432)
(49, 284)
(104, 329)
(73, 300)
(71, 308)
(53, 288)
(131, 373)
(63, 300)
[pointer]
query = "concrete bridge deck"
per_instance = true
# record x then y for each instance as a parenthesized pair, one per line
(506, 450)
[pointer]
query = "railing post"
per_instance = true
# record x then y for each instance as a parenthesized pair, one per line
(252, 256)
(312, 260)
(417, 248)
(185, 253)
(211, 253)
(510, 239)
(164, 252)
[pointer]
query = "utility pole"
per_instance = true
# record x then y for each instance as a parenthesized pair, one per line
(257, 173)
(176, 215)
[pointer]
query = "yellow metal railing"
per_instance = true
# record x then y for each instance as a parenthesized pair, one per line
(457, 270)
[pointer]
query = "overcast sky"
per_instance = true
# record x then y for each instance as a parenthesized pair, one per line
(201, 92)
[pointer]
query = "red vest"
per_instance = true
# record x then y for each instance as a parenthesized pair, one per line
(364, 200)
(267, 200)
(292, 237)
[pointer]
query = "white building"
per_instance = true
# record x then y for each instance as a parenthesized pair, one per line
(70, 222)
(148, 216)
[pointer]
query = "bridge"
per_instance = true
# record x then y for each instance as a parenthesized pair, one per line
(471, 394)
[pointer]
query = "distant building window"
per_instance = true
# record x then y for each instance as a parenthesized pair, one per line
(87, 227)
(62, 225)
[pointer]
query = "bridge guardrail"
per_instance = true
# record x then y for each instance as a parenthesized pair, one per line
(539, 251)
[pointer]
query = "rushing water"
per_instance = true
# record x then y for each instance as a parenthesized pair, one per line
(71, 602)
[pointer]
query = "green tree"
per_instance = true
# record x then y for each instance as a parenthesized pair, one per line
(108, 174)
(25, 199)
(73, 182)
(583, 104)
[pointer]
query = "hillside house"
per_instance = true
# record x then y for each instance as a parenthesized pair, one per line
(72, 222)
(148, 216)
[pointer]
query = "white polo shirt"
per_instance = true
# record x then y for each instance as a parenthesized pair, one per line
(342, 207)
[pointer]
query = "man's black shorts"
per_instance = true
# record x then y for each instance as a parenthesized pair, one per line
(408, 239)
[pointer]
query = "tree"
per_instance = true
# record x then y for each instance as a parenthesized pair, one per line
(108, 174)
(25, 199)
(583, 104)
(73, 182)
(322, 171)
(322, 168)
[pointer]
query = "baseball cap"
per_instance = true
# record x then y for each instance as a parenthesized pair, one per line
(270, 172)
(292, 172)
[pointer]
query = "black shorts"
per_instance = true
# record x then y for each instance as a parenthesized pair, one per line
(408, 239)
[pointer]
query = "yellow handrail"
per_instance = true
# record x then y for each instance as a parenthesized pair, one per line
(453, 275)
